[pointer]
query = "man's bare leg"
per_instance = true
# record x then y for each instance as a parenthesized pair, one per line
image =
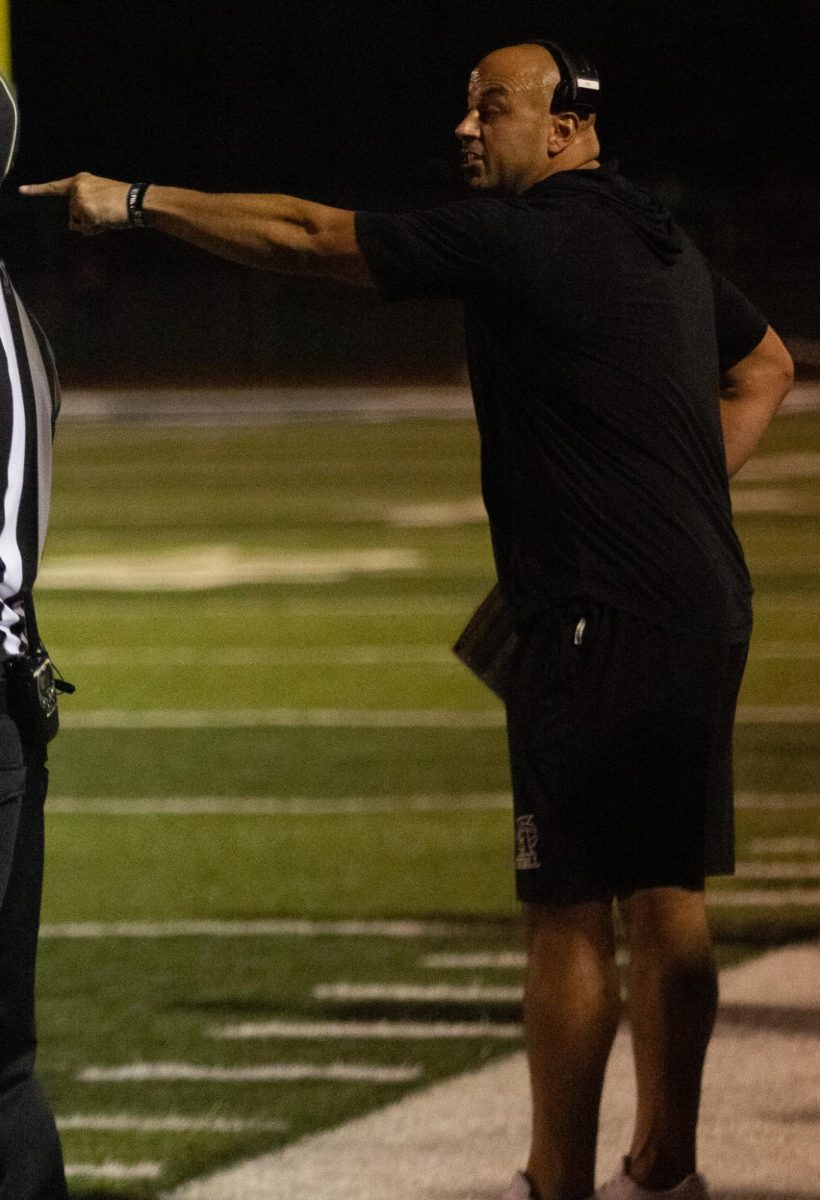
(571, 1009)
(673, 1002)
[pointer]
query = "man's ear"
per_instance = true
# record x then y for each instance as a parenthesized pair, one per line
(564, 128)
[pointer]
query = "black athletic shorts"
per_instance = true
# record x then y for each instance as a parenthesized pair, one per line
(620, 738)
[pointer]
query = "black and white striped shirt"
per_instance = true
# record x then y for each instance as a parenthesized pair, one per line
(29, 403)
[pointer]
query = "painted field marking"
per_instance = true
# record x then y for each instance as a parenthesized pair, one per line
(764, 898)
(264, 806)
(413, 993)
(285, 718)
(126, 1123)
(200, 568)
(363, 718)
(773, 651)
(778, 800)
(772, 500)
(785, 845)
(305, 806)
(82, 930)
(341, 656)
(784, 465)
(503, 960)
(113, 1170)
(777, 870)
(243, 656)
(338, 1072)
(368, 1030)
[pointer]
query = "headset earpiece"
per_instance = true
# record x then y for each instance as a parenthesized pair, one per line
(579, 88)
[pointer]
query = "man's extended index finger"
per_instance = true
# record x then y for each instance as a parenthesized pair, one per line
(57, 187)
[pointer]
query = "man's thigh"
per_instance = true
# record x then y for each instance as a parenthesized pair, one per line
(620, 749)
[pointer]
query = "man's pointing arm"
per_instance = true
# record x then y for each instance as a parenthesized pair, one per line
(275, 233)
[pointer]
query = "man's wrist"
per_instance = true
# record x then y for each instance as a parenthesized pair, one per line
(134, 204)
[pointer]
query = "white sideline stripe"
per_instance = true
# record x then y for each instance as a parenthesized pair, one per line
(474, 993)
(765, 898)
(114, 1170)
(242, 656)
(125, 1123)
(272, 928)
(285, 718)
(375, 1030)
(363, 718)
(337, 1072)
(263, 806)
(777, 870)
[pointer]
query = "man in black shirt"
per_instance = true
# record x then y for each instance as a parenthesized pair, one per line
(598, 342)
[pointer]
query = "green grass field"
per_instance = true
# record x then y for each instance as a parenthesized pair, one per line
(284, 791)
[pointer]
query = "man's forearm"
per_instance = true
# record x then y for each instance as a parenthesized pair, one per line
(276, 233)
(752, 393)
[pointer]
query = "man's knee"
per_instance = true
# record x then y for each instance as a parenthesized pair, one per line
(665, 916)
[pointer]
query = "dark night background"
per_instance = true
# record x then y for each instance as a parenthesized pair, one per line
(715, 105)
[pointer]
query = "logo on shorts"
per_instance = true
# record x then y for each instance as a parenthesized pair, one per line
(526, 840)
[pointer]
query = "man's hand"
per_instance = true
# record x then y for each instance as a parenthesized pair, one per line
(94, 204)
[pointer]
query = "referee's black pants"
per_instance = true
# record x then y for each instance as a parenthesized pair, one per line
(31, 1162)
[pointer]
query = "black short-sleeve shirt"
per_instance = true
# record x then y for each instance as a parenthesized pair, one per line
(596, 335)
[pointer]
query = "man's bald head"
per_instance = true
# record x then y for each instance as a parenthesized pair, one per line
(530, 69)
(510, 138)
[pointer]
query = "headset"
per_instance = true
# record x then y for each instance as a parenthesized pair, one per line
(579, 89)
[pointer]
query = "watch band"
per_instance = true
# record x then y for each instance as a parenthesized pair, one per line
(134, 199)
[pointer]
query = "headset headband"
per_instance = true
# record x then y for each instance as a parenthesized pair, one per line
(579, 88)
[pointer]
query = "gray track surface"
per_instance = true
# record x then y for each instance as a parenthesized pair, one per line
(254, 406)
(462, 1139)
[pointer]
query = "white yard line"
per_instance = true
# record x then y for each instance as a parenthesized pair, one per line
(778, 800)
(785, 845)
(305, 806)
(369, 1030)
(204, 567)
(82, 930)
(113, 1170)
(338, 1072)
(265, 806)
(285, 718)
(764, 898)
(504, 960)
(362, 718)
(777, 870)
(463, 1138)
(242, 656)
(128, 1123)
(414, 993)
(787, 651)
(328, 656)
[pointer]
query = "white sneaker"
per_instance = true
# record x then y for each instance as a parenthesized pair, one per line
(519, 1188)
(624, 1187)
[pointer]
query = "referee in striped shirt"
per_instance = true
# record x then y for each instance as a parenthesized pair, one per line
(31, 1164)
